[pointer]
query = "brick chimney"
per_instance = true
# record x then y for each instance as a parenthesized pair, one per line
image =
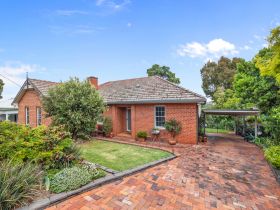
(93, 81)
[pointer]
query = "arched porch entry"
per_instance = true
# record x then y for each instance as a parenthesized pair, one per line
(234, 113)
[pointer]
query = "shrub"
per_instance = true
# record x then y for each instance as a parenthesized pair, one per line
(142, 134)
(265, 142)
(107, 126)
(272, 154)
(73, 178)
(50, 147)
(174, 127)
(19, 184)
(76, 105)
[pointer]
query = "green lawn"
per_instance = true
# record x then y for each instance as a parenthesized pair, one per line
(214, 130)
(119, 157)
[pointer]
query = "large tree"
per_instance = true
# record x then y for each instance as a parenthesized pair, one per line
(74, 104)
(1, 87)
(218, 75)
(163, 72)
(268, 59)
(253, 89)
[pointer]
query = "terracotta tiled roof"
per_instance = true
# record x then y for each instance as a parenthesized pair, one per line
(139, 90)
(146, 90)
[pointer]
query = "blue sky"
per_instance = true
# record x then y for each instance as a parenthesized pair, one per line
(120, 39)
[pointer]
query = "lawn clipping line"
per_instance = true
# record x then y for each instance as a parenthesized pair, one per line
(57, 198)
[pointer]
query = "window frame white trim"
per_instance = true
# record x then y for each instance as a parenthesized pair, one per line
(27, 116)
(37, 116)
(155, 121)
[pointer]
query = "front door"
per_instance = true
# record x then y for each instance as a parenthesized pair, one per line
(128, 119)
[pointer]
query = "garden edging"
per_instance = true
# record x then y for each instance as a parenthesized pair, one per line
(45, 202)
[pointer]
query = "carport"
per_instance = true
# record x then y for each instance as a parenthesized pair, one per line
(234, 113)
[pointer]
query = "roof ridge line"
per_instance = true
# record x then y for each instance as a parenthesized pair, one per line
(126, 79)
(42, 80)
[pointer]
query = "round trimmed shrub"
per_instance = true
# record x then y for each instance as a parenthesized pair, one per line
(142, 134)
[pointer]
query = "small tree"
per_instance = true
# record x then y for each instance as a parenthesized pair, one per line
(174, 127)
(74, 104)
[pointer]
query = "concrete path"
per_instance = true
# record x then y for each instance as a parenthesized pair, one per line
(225, 173)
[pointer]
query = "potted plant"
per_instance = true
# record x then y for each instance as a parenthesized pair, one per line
(142, 135)
(155, 131)
(174, 127)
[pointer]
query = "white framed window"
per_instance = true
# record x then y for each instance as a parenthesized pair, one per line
(159, 116)
(39, 115)
(27, 120)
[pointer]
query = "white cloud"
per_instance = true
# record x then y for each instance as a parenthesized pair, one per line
(100, 2)
(129, 25)
(72, 29)
(14, 74)
(246, 47)
(70, 12)
(113, 4)
(214, 48)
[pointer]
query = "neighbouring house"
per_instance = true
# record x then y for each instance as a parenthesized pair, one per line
(138, 104)
(8, 113)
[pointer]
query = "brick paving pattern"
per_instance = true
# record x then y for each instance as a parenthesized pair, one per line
(225, 173)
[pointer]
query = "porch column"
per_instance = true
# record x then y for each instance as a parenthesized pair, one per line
(256, 126)
(133, 121)
(7, 116)
(114, 119)
(244, 125)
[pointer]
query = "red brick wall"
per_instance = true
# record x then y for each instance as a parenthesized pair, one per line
(32, 100)
(142, 118)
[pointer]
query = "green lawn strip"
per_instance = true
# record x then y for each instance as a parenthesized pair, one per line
(118, 156)
(214, 130)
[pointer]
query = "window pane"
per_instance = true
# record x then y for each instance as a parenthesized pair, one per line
(39, 116)
(159, 116)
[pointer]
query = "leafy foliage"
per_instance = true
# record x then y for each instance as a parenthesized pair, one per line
(142, 134)
(107, 126)
(1, 87)
(73, 178)
(173, 126)
(272, 154)
(218, 75)
(265, 142)
(76, 105)
(50, 147)
(268, 59)
(272, 124)
(163, 72)
(252, 89)
(18, 184)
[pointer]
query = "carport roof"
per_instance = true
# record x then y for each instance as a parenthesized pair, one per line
(232, 112)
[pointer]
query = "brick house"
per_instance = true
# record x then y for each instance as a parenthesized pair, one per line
(139, 104)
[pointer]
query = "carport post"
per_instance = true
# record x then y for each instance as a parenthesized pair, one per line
(256, 126)
(204, 125)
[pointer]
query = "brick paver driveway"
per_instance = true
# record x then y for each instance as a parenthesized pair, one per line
(226, 173)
